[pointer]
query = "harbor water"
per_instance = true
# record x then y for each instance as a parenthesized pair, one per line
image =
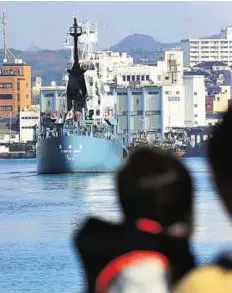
(38, 214)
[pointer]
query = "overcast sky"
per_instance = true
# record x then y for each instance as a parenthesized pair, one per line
(46, 23)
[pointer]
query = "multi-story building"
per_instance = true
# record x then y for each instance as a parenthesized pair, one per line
(149, 108)
(15, 88)
(218, 80)
(195, 100)
(197, 50)
(29, 121)
(151, 98)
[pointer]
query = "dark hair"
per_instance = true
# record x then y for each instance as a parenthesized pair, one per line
(220, 157)
(155, 185)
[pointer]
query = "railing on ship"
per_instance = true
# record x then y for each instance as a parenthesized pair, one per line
(71, 128)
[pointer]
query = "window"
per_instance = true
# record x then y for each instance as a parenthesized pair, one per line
(195, 105)
(195, 93)
(18, 86)
(147, 77)
(26, 84)
(48, 95)
(124, 78)
(177, 92)
(128, 78)
(5, 85)
(157, 112)
(153, 93)
(137, 101)
(136, 93)
(166, 78)
(5, 97)
(196, 123)
(5, 108)
(133, 78)
(218, 99)
(166, 92)
(138, 77)
(98, 112)
(32, 117)
(18, 97)
(196, 115)
(142, 77)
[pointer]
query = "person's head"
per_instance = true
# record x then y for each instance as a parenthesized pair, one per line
(155, 185)
(220, 158)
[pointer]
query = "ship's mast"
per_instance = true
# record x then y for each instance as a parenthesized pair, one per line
(75, 31)
(76, 89)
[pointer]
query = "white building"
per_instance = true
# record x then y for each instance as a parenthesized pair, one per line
(167, 71)
(195, 109)
(138, 74)
(107, 61)
(170, 65)
(29, 120)
(200, 50)
(149, 108)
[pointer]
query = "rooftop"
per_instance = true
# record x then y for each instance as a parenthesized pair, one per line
(5, 129)
(209, 64)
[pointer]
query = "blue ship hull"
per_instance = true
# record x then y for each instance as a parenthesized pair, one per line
(79, 154)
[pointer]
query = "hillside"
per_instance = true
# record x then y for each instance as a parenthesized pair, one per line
(141, 46)
(50, 64)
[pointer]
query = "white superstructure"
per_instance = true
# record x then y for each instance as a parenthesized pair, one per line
(198, 50)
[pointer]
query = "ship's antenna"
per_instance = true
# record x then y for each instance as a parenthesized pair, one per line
(96, 29)
(107, 37)
(97, 20)
(189, 27)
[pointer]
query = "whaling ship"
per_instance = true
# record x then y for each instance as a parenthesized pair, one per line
(71, 142)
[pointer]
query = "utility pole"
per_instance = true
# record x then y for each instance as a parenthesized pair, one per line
(10, 127)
